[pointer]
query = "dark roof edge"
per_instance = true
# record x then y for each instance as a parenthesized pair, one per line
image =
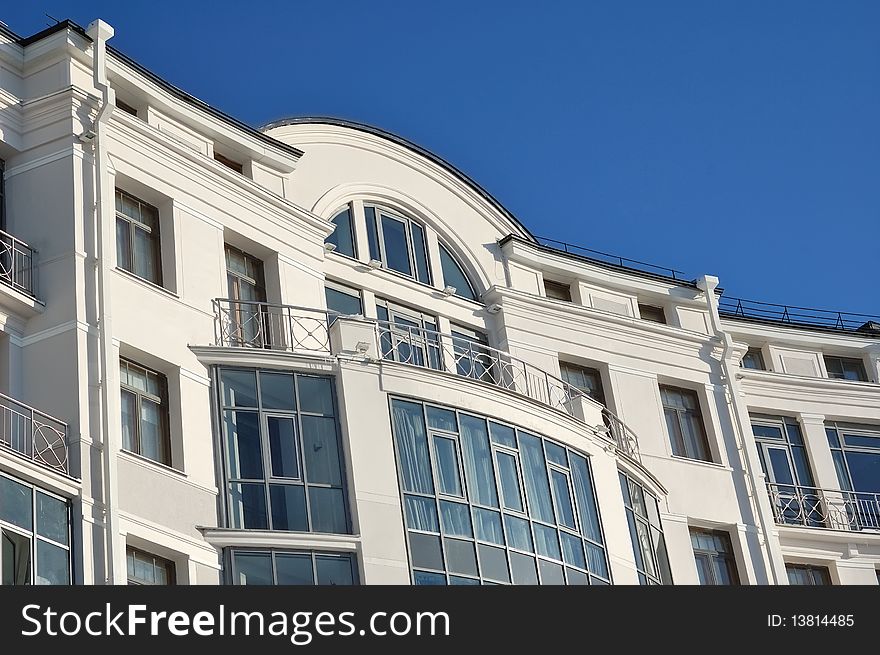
(609, 265)
(401, 141)
(850, 332)
(164, 84)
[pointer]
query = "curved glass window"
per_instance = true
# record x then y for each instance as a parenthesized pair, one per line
(454, 275)
(487, 503)
(397, 242)
(646, 532)
(282, 452)
(282, 567)
(343, 236)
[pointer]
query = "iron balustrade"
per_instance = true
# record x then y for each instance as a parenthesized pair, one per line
(252, 324)
(832, 509)
(608, 258)
(793, 315)
(33, 434)
(471, 359)
(17, 264)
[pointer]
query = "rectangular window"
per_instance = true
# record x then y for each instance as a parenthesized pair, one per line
(144, 397)
(754, 359)
(229, 163)
(408, 335)
(588, 380)
(652, 313)
(557, 290)
(646, 533)
(342, 300)
(713, 554)
(804, 575)
(846, 368)
(342, 236)
(245, 283)
(147, 569)
(281, 567)
(137, 238)
(127, 108)
(684, 421)
(473, 359)
(282, 451)
(855, 450)
(398, 242)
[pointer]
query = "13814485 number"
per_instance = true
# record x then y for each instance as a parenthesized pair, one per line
(821, 620)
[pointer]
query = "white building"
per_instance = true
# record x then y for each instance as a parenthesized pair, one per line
(319, 353)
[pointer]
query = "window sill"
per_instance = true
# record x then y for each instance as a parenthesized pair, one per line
(146, 283)
(700, 462)
(151, 463)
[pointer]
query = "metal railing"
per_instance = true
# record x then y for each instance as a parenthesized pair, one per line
(832, 509)
(251, 324)
(17, 264)
(793, 315)
(33, 434)
(607, 258)
(471, 359)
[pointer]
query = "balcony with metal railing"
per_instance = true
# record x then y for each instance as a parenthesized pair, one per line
(830, 509)
(17, 265)
(33, 435)
(261, 325)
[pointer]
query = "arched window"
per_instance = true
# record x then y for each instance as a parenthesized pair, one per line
(343, 236)
(398, 242)
(454, 275)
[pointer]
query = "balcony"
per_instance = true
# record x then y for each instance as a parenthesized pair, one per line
(267, 326)
(17, 265)
(34, 435)
(831, 509)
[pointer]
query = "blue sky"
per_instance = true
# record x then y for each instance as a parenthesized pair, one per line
(735, 138)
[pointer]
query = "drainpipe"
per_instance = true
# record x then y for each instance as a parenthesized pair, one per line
(742, 428)
(100, 32)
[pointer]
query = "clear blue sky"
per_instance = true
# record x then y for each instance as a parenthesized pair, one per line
(735, 138)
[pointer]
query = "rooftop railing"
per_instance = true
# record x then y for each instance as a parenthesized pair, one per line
(33, 434)
(798, 316)
(831, 509)
(17, 264)
(617, 260)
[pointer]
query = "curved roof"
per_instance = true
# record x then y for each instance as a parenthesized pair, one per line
(399, 140)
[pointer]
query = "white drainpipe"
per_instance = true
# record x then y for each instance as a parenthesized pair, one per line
(100, 32)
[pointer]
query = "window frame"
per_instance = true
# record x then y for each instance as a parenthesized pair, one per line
(856, 362)
(169, 565)
(162, 400)
(754, 352)
(332, 238)
(729, 558)
(655, 310)
(661, 573)
(558, 287)
(840, 431)
(425, 337)
(472, 295)
(345, 290)
(231, 570)
(154, 233)
(382, 210)
(568, 368)
(710, 458)
(812, 571)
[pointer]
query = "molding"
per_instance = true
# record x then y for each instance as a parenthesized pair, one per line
(48, 333)
(285, 259)
(230, 537)
(69, 151)
(195, 377)
(612, 368)
(176, 204)
(172, 473)
(257, 358)
(196, 544)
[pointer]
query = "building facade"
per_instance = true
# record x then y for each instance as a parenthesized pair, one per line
(319, 354)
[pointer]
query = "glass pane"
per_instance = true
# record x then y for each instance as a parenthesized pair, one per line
(509, 477)
(535, 474)
(695, 439)
(586, 501)
(343, 303)
(343, 236)
(243, 444)
(328, 510)
(519, 535)
(493, 563)
(833, 441)
(315, 395)
(798, 575)
(455, 519)
(478, 461)
(425, 551)
(146, 256)
(576, 578)
(412, 447)
(372, 236)
(453, 275)
(488, 526)
(425, 578)
(780, 465)
(293, 569)
(551, 574)
(252, 568)
(276, 391)
(546, 541)
(573, 550)
(129, 420)
(334, 570)
(596, 560)
(239, 388)
(794, 433)
(321, 449)
(396, 246)
(421, 513)
(454, 580)
(766, 431)
(441, 419)
(52, 518)
(421, 255)
(282, 447)
(289, 508)
(446, 456)
(247, 506)
(123, 244)
(723, 572)
(556, 454)
(16, 504)
(523, 569)
(460, 557)
(53, 564)
(704, 571)
(564, 509)
(152, 435)
(861, 441)
(16, 559)
(502, 434)
(864, 469)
